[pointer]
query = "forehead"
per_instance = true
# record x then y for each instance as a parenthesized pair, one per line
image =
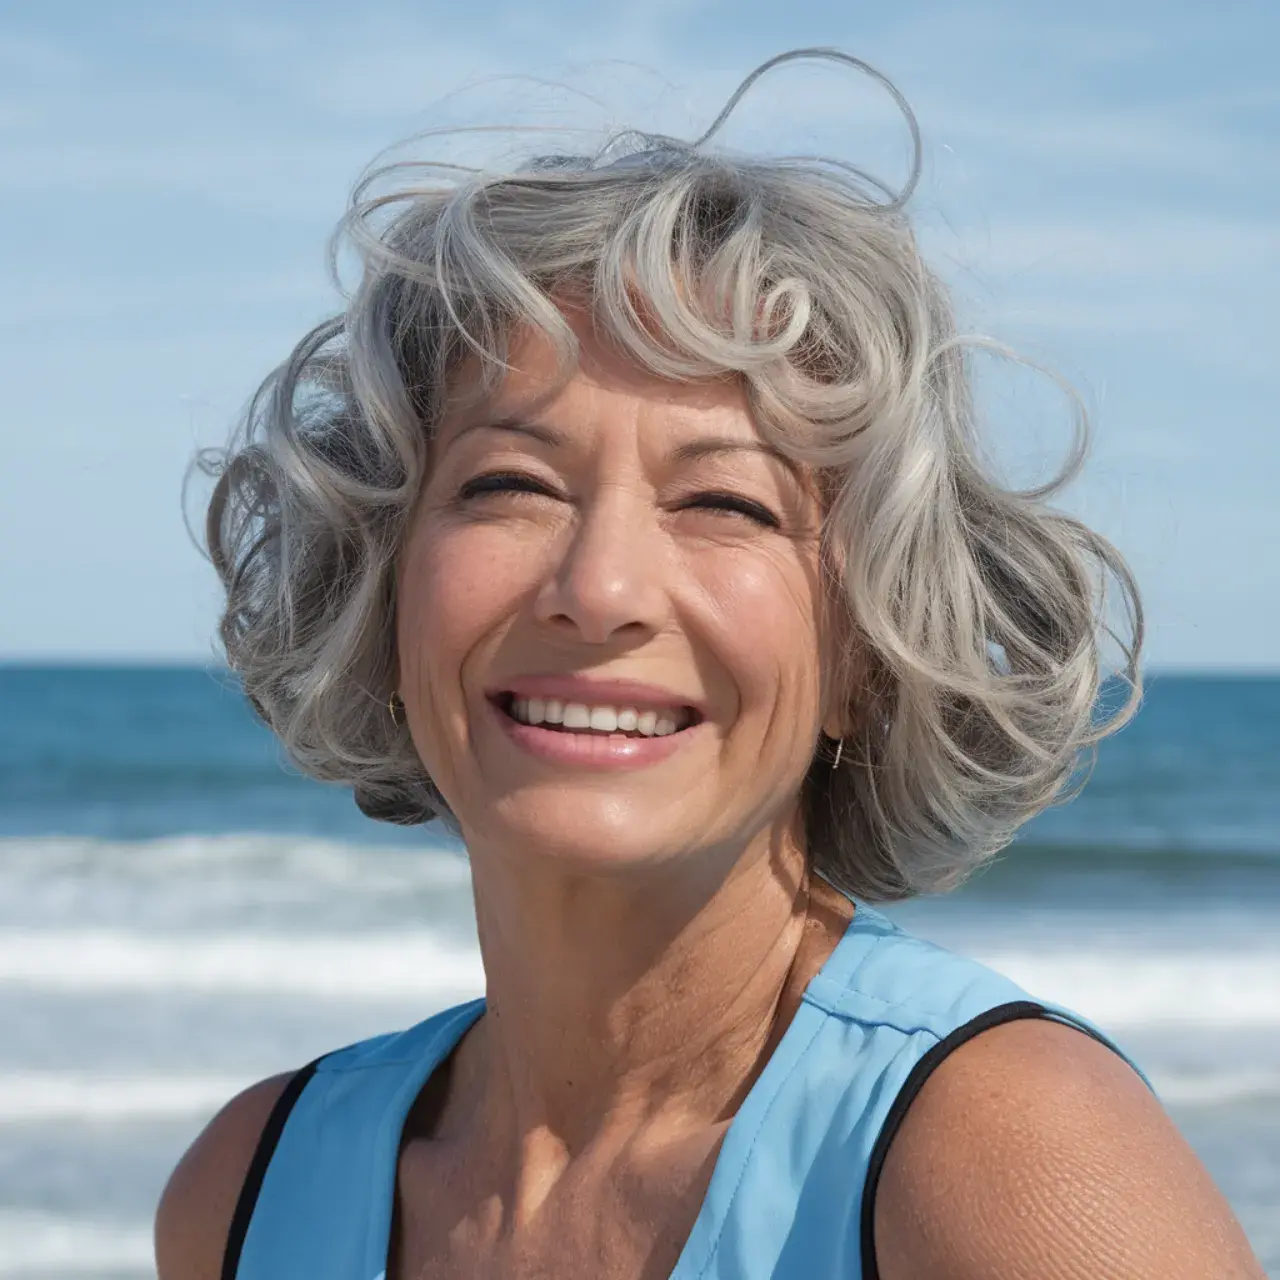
(604, 384)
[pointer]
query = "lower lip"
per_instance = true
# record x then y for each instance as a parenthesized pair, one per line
(592, 750)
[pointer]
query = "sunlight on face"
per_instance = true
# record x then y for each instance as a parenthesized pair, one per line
(623, 551)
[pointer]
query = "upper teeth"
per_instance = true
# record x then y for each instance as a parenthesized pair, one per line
(603, 719)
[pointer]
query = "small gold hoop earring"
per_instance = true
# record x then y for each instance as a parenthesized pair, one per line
(394, 707)
(839, 753)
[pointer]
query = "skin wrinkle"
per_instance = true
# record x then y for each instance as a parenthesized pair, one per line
(1034, 1153)
(688, 451)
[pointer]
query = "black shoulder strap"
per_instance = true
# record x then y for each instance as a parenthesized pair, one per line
(252, 1184)
(1002, 1013)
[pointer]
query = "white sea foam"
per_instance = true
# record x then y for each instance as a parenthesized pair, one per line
(46, 1244)
(1119, 989)
(1216, 1088)
(389, 966)
(336, 864)
(54, 1097)
(1124, 989)
(44, 1097)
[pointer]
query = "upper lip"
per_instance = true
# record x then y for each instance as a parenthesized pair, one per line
(592, 692)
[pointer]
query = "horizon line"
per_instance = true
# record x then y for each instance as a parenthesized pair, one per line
(92, 662)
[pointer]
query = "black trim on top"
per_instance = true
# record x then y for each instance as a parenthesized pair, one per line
(252, 1185)
(1002, 1013)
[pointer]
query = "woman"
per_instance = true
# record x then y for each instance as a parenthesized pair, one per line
(631, 519)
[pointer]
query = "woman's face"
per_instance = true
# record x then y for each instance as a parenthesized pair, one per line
(609, 616)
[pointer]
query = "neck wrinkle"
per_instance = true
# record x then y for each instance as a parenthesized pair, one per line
(642, 1014)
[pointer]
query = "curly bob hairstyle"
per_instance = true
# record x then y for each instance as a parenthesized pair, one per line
(976, 612)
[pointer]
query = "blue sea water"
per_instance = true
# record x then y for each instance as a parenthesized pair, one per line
(180, 912)
(142, 753)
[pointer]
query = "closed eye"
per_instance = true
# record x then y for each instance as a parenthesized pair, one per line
(504, 482)
(733, 504)
(495, 482)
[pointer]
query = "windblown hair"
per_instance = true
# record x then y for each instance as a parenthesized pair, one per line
(976, 613)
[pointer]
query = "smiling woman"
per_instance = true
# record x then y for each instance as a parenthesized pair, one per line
(631, 519)
(624, 536)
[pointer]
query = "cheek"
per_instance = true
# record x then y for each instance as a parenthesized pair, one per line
(455, 589)
(454, 584)
(769, 624)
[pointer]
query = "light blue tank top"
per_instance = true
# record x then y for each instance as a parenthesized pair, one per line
(790, 1197)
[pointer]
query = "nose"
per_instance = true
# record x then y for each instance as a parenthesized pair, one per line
(608, 581)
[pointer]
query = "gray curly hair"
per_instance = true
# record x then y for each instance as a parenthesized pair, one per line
(976, 612)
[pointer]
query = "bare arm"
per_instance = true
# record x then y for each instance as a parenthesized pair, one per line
(1035, 1153)
(196, 1207)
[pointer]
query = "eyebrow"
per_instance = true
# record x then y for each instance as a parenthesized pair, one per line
(703, 447)
(519, 426)
(689, 451)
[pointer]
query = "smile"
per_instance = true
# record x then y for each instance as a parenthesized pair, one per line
(595, 735)
(578, 717)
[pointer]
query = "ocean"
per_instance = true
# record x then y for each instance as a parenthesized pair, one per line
(181, 914)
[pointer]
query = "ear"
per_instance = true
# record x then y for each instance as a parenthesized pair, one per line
(855, 685)
(844, 669)
(840, 674)
(835, 729)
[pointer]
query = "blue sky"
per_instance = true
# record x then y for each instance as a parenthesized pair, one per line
(1102, 189)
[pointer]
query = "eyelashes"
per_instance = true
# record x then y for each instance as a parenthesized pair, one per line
(515, 482)
(504, 482)
(733, 504)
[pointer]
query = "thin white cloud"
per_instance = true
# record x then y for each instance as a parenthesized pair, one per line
(124, 298)
(37, 56)
(1127, 244)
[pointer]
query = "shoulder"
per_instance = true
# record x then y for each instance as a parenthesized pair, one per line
(1032, 1149)
(195, 1210)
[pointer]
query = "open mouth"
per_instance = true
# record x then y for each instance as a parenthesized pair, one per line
(601, 719)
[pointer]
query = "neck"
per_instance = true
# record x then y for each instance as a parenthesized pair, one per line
(614, 1002)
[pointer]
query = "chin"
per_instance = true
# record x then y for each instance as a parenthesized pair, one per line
(586, 833)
